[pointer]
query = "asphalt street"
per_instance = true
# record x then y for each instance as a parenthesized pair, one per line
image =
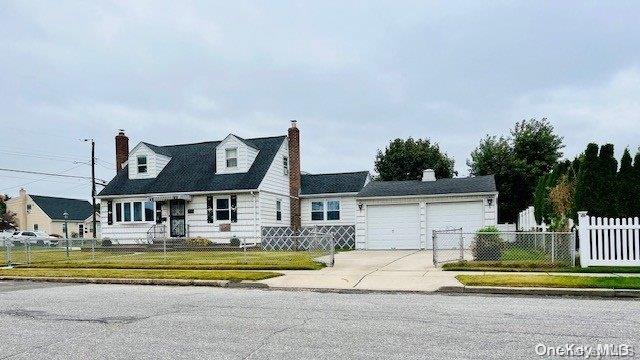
(54, 321)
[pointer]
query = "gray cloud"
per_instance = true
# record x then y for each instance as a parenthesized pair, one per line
(354, 75)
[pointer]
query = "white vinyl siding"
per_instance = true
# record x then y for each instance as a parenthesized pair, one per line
(154, 162)
(275, 186)
(245, 155)
(347, 211)
(246, 226)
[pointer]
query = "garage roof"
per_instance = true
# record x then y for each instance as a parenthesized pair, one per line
(338, 183)
(478, 184)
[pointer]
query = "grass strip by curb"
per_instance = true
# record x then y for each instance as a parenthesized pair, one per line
(527, 266)
(230, 275)
(551, 281)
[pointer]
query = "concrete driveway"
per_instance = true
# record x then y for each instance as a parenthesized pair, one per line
(406, 270)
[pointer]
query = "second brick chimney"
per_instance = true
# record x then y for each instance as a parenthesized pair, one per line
(294, 174)
(122, 150)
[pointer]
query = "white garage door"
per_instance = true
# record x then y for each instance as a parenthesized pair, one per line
(393, 227)
(466, 215)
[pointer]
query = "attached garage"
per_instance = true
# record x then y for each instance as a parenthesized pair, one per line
(403, 214)
(393, 226)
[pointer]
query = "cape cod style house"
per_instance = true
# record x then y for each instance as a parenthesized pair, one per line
(252, 188)
(221, 189)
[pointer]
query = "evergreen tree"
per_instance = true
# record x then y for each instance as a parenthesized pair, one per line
(625, 187)
(606, 182)
(584, 199)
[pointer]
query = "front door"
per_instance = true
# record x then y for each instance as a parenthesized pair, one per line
(177, 221)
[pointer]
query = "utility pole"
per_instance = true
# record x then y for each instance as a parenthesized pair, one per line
(93, 185)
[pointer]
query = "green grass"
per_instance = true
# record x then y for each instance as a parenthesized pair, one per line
(231, 275)
(515, 254)
(551, 281)
(534, 266)
(177, 260)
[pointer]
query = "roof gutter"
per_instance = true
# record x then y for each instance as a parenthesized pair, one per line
(328, 194)
(426, 196)
(175, 193)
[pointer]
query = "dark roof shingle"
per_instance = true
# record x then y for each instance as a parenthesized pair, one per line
(54, 207)
(338, 183)
(193, 168)
(478, 184)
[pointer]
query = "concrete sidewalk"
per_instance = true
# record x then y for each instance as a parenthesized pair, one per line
(390, 270)
(383, 270)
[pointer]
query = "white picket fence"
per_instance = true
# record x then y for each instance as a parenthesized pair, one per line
(527, 221)
(608, 242)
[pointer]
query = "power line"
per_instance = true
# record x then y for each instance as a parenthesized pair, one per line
(40, 179)
(52, 174)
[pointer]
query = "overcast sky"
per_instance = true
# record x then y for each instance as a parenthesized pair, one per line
(354, 74)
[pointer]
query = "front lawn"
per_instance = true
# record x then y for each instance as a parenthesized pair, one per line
(551, 281)
(231, 275)
(534, 266)
(178, 260)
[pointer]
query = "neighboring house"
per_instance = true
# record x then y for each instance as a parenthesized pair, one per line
(403, 214)
(45, 213)
(253, 188)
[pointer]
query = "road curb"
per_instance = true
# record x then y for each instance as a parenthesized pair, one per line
(593, 293)
(120, 281)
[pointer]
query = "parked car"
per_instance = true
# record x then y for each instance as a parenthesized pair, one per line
(33, 237)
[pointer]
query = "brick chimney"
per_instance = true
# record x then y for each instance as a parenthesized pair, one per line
(122, 149)
(294, 174)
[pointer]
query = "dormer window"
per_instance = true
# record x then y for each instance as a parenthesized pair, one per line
(142, 164)
(285, 165)
(232, 157)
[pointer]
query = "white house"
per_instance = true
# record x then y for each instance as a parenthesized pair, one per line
(253, 188)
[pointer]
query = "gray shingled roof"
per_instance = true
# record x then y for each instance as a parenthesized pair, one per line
(54, 207)
(338, 183)
(478, 184)
(192, 168)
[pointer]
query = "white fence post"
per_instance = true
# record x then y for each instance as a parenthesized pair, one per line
(585, 241)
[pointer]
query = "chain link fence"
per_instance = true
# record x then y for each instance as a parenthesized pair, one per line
(288, 251)
(541, 247)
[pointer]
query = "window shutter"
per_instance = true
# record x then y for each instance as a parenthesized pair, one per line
(234, 208)
(158, 212)
(110, 212)
(210, 209)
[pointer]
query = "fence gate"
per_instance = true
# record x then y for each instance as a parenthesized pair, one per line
(504, 246)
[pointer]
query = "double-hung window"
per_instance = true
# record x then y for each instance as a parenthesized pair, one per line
(126, 209)
(223, 211)
(325, 210)
(333, 210)
(279, 210)
(317, 210)
(285, 165)
(231, 157)
(142, 164)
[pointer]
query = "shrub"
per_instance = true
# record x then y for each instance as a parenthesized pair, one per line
(487, 244)
(235, 242)
(106, 242)
(199, 241)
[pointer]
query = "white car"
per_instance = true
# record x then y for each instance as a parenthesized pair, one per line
(33, 237)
